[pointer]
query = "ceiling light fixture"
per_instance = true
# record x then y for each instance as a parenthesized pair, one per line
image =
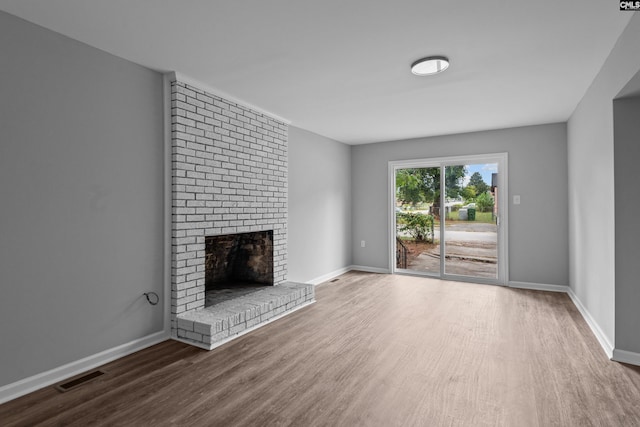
(430, 65)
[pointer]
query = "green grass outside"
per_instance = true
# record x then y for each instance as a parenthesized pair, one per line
(480, 217)
(486, 217)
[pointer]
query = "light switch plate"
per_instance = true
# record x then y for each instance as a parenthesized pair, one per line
(516, 200)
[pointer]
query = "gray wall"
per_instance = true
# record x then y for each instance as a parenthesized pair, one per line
(81, 223)
(626, 154)
(319, 205)
(538, 245)
(591, 183)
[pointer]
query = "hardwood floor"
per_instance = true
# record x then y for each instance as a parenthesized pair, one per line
(375, 350)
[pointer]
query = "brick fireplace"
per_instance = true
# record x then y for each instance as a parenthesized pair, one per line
(229, 177)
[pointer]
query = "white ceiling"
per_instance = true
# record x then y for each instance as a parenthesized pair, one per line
(340, 68)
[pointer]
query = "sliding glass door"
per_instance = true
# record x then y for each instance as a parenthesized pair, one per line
(448, 216)
(417, 219)
(470, 221)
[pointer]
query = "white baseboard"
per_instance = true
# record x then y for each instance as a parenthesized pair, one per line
(30, 384)
(336, 273)
(329, 276)
(538, 286)
(369, 269)
(595, 328)
(626, 357)
(44, 379)
(593, 325)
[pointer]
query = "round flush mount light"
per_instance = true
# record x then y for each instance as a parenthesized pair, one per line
(430, 65)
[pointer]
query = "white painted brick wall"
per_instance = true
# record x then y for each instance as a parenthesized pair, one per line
(229, 176)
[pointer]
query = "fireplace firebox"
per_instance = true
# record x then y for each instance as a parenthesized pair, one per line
(239, 260)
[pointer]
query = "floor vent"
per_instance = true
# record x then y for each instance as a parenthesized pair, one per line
(334, 280)
(78, 381)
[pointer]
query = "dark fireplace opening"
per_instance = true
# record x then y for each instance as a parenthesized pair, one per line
(238, 261)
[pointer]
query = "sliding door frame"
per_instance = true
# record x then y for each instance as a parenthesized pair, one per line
(503, 217)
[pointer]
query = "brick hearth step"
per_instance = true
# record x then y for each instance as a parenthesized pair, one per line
(223, 321)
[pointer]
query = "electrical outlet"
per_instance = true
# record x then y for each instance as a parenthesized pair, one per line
(363, 243)
(516, 200)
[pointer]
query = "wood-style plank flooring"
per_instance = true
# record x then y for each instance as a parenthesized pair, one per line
(375, 350)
